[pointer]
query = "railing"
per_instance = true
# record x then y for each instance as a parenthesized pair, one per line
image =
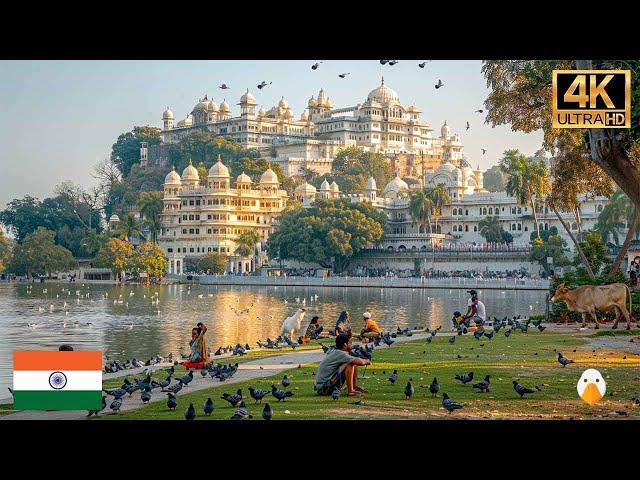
(443, 254)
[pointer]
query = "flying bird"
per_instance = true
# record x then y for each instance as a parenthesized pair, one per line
(423, 64)
(316, 65)
(468, 126)
(384, 62)
(190, 414)
(263, 84)
(449, 404)
(224, 86)
(439, 84)
(343, 75)
(521, 390)
(479, 111)
(393, 62)
(484, 150)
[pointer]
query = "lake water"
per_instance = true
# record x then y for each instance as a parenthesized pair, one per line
(137, 328)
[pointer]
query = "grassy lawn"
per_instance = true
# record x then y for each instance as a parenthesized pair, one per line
(528, 358)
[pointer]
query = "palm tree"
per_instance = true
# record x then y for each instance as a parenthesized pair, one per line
(246, 243)
(439, 196)
(150, 205)
(491, 229)
(527, 180)
(129, 227)
(154, 224)
(420, 207)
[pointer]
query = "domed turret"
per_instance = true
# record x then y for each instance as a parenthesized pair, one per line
(172, 178)
(211, 106)
(334, 187)
(305, 189)
(243, 178)
(304, 116)
(444, 131)
(167, 114)
(247, 98)
(224, 107)
(371, 184)
(190, 173)
(394, 187)
(219, 170)
(269, 176)
(262, 112)
(383, 94)
(324, 186)
(283, 103)
(328, 104)
(312, 102)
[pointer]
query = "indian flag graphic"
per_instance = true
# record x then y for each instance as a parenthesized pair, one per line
(57, 380)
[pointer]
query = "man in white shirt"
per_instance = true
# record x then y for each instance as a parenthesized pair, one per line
(475, 310)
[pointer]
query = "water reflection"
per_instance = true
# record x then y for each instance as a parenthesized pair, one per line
(137, 326)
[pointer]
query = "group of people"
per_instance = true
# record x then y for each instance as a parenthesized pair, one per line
(634, 271)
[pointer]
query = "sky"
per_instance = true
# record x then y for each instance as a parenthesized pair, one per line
(62, 117)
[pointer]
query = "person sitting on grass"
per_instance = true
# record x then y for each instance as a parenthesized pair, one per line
(314, 329)
(199, 353)
(343, 325)
(338, 368)
(371, 329)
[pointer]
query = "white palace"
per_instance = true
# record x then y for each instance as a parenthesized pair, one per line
(381, 123)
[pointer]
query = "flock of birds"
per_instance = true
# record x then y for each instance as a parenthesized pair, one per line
(315, 66)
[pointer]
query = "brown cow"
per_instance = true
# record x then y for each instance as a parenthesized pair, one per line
(588, 298)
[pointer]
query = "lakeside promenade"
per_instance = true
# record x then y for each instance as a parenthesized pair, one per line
(366, 282)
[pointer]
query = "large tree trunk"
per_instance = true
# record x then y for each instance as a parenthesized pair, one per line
(627, 241)
(609, 153)
(535, 214)
(583, 259)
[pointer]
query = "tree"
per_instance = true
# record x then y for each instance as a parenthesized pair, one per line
(329, 233)
(307, 174)
(439, 196)
(491, 229)
(129, 227)
(352, 167)
(550, 247)
(420, 208)
(527, 180)
(6, 247)
(125, 153)
(595, 251)
(246, 243)
(494, 179)
(150, 204)
(149, 258)
(22, 216)
(38, 254)
(93, 242)
(213, 263)
(117, 255)
(203, 172)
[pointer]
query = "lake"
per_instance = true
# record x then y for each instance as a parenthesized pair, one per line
(86, 317)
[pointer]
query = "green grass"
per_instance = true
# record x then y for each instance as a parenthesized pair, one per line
(528, 358)
(6, 409)
(620, 332)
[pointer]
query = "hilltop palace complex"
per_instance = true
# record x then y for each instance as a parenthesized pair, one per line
(208, 218)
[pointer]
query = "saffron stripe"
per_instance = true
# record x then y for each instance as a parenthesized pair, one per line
(57, 400)
(53, 360)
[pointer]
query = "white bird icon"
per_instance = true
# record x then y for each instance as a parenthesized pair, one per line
(591, 386)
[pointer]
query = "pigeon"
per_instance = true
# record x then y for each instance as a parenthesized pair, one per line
(541, 327)
(257, 394)
(468, 126)
(116, 404)
(394, 376)
(263, 84)
(208, 406)
(335, 394)
(190, 414)
(449, 404)
(478, 334)
(479, 111)
(521, 390)
(280, 394)
(117, 394)
(267, 413)
(316, 65)
(423, 64)
(218, 352)
(564, 360)
(187, 378)
(146, 395)
(234, 399)
(452, 339)
(466, 378)
(203, 372)
(434, 388)
(408, 390)
(343, 75)
(507, 333)
(489, 335)
(172, 403)
(484, 150)
(483, 386)
(224, 86)
(241, 413)
(439, 84)
(93, 412)
(175, 388)
(170, 370)
(286, 382)
(393, 62)
(384, 62)
(387, 340)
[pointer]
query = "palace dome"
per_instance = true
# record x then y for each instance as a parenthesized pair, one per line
(224, 106)
(172, 177)
(201, 106)
(167, 114)
(243, 178)
(394, 187)
(334, 187)
(218, 169)
(190, 173)
(383, 94)
(313, 102)
(371, 184)
(115, 218)
(262, 112)
(325, 185)
(305, 188)
(444, 131)
(283, 103)
(211, 106)
(269, 176)
(248, 98)
(304, 116)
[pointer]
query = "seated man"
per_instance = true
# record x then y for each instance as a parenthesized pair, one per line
(338, 368)
(475, 310)
(371, 329)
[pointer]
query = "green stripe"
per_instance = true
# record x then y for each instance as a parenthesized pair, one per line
(57, 400)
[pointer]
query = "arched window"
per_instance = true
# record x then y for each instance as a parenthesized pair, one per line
(490, 211)
(455, 228)
(475, 228)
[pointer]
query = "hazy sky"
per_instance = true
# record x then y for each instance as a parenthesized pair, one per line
(59, 118)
